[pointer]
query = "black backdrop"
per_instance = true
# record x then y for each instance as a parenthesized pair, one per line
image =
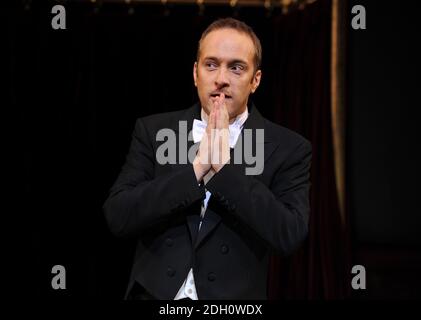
(77, 92)
(383, 160)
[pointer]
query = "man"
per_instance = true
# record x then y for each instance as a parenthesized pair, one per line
(205, 228)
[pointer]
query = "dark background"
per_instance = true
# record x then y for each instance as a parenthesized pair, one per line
(78, 92)
(382, 146)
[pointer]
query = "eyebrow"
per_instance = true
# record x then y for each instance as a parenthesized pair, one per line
(234, 61)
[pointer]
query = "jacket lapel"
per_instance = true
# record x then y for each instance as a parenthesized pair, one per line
(186, 122)
(193, 224)
(254, 122)
(188, 116)
(209, 222)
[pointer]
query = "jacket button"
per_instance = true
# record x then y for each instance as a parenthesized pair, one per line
(211, 276)
(169, 242)
(170, 272)
(224, 249)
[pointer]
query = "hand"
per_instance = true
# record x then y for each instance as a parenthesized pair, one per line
(202, 162)
(220, 144)
(214, 150)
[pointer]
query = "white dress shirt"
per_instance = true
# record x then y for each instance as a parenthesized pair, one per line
(188, 288)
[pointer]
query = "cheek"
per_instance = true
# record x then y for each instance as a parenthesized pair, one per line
(243, 86)
(202, 84)
(242, 91)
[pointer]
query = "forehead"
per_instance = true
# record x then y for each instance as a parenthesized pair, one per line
(227, 44)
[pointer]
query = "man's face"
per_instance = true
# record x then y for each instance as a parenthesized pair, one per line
(226, 65)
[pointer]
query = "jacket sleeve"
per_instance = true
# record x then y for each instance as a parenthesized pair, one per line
(138, 199)
(279, 214)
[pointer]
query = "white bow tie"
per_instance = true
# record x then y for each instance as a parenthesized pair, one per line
(199, 128)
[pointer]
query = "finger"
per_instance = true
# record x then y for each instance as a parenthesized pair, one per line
(221, 120)
(210, 127)
(216, 103)
(218, 117)
(224, 116)
(218, 120)
(223, 105)
(212, 119)
(211, 103)
(222, 99)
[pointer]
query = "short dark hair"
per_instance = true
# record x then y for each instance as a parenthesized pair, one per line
(231, 23)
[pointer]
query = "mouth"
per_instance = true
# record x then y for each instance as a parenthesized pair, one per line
(215, 95)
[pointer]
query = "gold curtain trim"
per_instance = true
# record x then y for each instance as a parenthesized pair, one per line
(337, 100)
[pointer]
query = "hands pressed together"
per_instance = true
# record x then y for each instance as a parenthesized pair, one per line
(214, 149)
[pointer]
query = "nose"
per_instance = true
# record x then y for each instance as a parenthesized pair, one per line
(222, 80)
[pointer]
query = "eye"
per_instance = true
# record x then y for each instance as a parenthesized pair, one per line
(237, 68)
(210, 65)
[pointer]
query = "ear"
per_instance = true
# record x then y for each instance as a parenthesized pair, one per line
(195, 74)
(256, 81)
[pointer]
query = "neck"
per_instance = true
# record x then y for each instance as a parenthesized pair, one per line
(231, 120)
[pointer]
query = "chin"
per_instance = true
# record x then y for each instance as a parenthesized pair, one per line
(233, 112)
(204, 107)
